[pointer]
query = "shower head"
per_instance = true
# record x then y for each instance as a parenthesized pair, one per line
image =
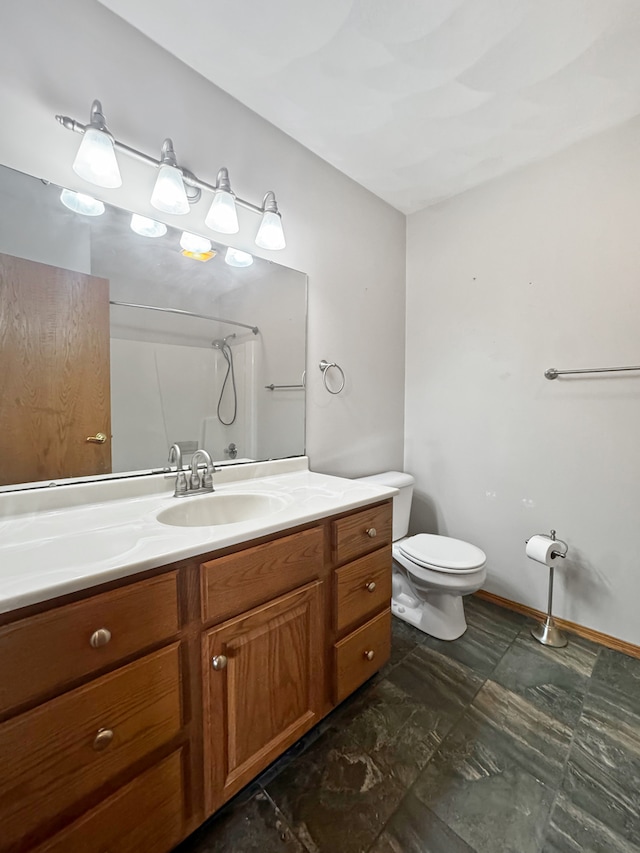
(220, 343)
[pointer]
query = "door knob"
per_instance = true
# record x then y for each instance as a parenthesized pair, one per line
(219, 662)
(98, 438)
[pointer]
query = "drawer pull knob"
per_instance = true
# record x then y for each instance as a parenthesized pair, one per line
(100, 637)
(219, 662)
(102, 739)
(372, 532)
(371, 586)
(369, 655)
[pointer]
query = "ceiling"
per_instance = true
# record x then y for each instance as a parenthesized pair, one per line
(416, 100)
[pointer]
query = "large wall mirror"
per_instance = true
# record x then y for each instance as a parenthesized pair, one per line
(91, 385)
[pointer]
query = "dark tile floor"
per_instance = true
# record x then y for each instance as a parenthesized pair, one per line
(489, 744)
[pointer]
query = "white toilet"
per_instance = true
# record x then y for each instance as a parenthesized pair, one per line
(430, 573)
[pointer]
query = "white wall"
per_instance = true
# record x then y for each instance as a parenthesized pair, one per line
(58, 57)
(537, 270)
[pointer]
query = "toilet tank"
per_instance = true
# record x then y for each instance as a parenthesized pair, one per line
(401, 502)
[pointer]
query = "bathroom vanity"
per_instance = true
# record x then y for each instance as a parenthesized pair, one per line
(140, 689)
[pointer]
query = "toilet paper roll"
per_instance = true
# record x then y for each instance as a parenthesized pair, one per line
(540, 549)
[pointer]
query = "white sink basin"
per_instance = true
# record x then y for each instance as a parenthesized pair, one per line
(208, 510)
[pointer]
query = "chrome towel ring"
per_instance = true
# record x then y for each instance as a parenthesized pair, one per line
(325, 366)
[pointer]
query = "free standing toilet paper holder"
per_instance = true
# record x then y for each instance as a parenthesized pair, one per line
(547, 632)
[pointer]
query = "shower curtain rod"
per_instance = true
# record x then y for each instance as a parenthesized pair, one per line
(254, 329)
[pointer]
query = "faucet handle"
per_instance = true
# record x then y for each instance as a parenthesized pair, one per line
(181, 483)
(207, 478)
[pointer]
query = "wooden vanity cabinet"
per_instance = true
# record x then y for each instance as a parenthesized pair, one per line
(130, 713)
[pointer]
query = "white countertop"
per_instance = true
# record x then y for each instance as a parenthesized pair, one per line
(54, 541)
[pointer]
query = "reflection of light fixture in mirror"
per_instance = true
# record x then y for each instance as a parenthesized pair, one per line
(81, 203)
(146, 227)
(96, 159)
(270, 234)
(169, 194)
(195, 244)
(236, 258)
(176, 187)
(222, 215)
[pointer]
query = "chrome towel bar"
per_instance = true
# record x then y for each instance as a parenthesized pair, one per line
(553, 373)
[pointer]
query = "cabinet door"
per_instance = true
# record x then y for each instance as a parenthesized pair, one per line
(265, 674)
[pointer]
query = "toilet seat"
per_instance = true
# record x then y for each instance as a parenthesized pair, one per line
(442, 554)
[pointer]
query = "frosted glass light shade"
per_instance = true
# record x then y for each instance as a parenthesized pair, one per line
(169, 194)
(270, 234)
(96, 160)
(194, 243)
(81, 203)
(236, 258)
(222, 215)
(147, 227)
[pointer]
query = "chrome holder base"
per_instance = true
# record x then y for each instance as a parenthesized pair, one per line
(549, 635)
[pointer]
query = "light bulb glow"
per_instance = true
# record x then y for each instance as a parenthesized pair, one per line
(169, 194)
(236, 258)
(222, 215)
(146, 227)
(81, 203)
(96, 160)
(270, 234)
(194, 243)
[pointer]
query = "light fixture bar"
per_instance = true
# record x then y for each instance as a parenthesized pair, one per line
(190, 180)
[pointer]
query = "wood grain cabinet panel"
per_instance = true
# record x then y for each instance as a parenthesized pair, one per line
(237, 582)
(362, 532)
(44, 653)
(360, 654)
(145, 815)
(266, 689)
(362, 588)
(63, 750)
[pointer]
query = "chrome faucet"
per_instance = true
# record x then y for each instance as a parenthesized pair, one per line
(175, 455)
(199, 484)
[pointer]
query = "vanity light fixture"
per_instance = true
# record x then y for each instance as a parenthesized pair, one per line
(194, 244)
(81, 203)
(236, 258)
(96, 159)
(146, 227)
(169, 194)
(176, 188)
(222, 215)
(270, 234)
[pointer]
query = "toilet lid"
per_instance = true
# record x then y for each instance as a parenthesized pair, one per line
(442, 552)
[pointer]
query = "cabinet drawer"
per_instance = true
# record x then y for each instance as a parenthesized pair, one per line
(362, 588)
(42, 654)
(147, 814)
(364, 531)
(238, 582)
(63, 750)
(354, 661)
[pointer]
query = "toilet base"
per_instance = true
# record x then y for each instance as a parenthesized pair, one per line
(441, 615)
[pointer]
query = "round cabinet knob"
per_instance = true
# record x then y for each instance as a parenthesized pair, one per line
(100, 637)
(102, 739)
(219, 662)
(371, 586)
(372, 532)
(370, 654)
